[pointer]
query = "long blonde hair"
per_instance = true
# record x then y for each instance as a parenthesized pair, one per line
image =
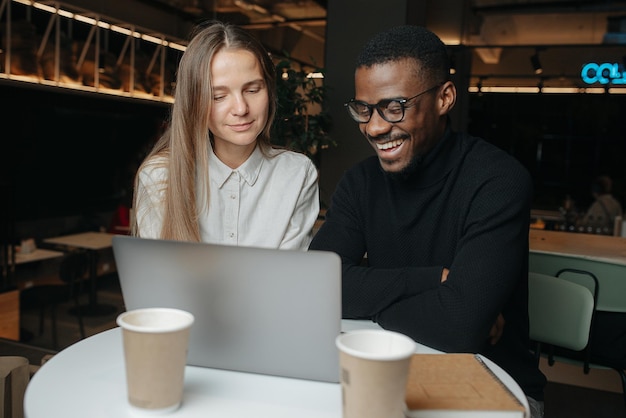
(184, 143)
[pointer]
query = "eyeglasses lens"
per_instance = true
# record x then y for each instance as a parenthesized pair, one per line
(393, 112)
(390, 110)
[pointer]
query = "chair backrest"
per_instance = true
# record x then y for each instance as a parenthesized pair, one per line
(14, 377)
(584, 277)
(590, 281)
(560, 311)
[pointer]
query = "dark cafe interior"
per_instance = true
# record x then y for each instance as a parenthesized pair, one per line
(86, 87)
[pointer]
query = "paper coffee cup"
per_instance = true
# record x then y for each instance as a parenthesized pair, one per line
(155, 353)
(374, 368)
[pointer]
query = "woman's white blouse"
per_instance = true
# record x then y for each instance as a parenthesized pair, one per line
(265, 202)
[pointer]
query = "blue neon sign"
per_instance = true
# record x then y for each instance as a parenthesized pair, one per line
(605, 73)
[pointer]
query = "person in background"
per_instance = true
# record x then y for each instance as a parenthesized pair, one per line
(214, 176)
(432, 230)
(600, 217)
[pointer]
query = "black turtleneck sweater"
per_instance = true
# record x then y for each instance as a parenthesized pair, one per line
(465, 208)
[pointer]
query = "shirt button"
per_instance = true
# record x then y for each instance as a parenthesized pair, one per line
(232, 196)
(232, 235)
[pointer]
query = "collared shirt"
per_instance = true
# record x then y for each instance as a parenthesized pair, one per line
(266, 202)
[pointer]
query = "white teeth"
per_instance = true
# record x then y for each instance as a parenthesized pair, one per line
(390, 144)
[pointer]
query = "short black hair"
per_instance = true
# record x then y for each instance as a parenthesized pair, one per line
(408, 41)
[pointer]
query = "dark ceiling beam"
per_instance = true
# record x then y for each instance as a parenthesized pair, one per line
(288, 22)
(322, 3)
(168, 7)
(541, 47)
(552, 7)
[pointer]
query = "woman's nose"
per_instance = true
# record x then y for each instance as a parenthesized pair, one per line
(240, 105)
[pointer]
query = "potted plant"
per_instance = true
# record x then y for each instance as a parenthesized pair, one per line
(302, 118)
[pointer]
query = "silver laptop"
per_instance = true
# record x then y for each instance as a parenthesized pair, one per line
(265, 311)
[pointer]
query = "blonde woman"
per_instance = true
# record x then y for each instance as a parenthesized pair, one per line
(213, 176)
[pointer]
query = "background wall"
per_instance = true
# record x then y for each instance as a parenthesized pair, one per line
(563, 140)
(72, 154)
(350, 23)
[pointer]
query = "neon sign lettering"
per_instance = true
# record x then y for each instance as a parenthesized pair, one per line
(605, 73)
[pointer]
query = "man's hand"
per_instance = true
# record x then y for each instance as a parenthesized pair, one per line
(444, 274)
(496, 330)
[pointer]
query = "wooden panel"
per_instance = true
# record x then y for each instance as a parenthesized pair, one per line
(601, 248)
(10, 315)
(611, 277)
(604, 256)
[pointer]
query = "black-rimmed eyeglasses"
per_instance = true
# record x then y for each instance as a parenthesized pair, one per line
(391, 110)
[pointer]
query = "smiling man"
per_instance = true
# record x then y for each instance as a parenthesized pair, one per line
(441, 217)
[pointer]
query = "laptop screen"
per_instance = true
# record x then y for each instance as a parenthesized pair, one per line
(257, 310)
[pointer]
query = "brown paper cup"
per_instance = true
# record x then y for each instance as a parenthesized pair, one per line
(155, 353)
(374, 369)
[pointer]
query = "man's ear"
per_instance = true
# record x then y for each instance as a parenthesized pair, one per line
(447, 97)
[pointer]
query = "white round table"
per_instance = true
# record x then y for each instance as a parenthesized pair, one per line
(87, 379)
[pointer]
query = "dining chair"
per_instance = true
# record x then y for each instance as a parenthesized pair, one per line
(73, 271)
(590, 360)
(590, 281)
(14, 377)
(562, 311)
